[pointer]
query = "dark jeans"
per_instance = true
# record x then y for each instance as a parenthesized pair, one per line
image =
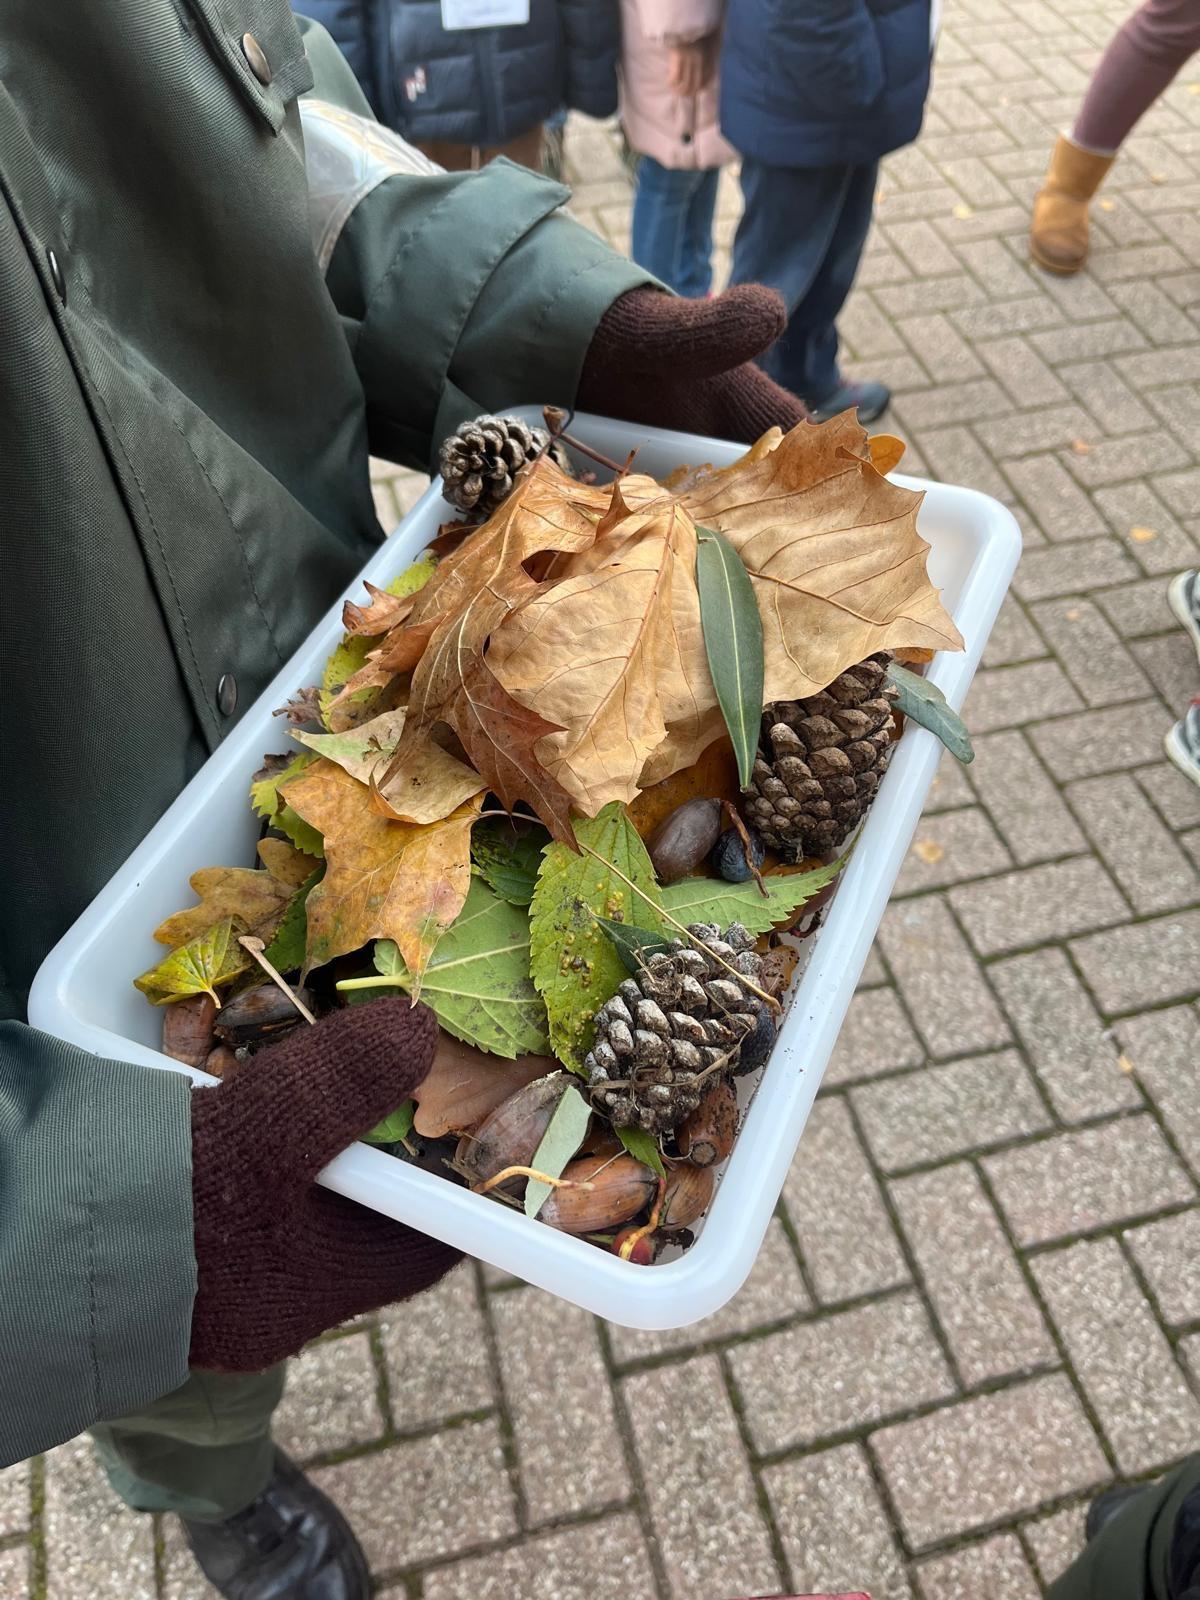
(802, 232)
(672, 225)
(1149, 1551)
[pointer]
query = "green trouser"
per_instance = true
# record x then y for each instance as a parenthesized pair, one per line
(1129, 1559)
(204, 1450)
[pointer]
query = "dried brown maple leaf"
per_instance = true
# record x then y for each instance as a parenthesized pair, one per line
(465, 1084)
(383, 879)
(385, 612)
(254, 900)
(427, 787)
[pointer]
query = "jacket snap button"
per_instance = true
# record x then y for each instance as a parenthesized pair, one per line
(227, 694)
(685, 138)
(56, 276)
(256, 56)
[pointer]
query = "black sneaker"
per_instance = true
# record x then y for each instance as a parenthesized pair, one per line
(1182, 742)
(869, 399)
(1183, 594)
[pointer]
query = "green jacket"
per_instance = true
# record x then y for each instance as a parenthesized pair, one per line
(186, 406)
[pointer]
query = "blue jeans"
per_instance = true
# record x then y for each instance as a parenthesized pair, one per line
(672, 225)
(802, 232)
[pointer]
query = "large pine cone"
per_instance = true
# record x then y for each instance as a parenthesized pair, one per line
(820, 762)
(683, 1015)
(480, 460)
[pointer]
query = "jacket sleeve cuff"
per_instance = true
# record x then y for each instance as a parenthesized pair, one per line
(96, 1249)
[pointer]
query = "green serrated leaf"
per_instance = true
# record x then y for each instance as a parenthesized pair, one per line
(352, 653)
(733, 642)
(198, 967)
(925, 703)
(575, 966)
(477, 981)
(643, 1147)
(286, 950)
(269, 804)
(394, 1128)
(509, 855)
(564, 1134)
(633, 945)
(709, 900)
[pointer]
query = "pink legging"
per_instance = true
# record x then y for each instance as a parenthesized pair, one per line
(1144, 55)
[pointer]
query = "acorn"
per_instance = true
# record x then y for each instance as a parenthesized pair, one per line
(509, 1135)
(621, 1189)
(187, 1034)
(221, 1062)
(706, 1134)
(643, 1252)
(688, 1195)
(684, 838)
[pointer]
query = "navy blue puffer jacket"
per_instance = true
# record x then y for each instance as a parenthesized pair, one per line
(815, 83)
(476, 86)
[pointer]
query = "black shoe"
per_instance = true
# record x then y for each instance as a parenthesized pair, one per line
(1107, 1505)
(291, 1544)
(869, 399)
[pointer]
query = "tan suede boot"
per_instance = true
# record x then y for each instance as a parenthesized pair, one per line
(1058, 237)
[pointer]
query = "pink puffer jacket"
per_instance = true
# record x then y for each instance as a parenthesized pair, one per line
(677, 132)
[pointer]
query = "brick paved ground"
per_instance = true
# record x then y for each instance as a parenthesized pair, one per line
(981, 1298)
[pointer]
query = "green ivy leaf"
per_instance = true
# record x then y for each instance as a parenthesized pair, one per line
(733, 642)
(508, 855)
(643, 1147)
(564, 1134)
(574, 964)
(286, 950)
(633, 945)
(198, 967)
(477, 981)
(352, 653)
(394, 1128)
(925, 703)
(709, 900)
(269, 804)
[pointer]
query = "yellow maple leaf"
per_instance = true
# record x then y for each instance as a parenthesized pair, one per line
(255, 901)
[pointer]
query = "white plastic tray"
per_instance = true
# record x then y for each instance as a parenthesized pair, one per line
(83, 992)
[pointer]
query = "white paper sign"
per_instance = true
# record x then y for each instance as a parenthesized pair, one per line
(483, 13)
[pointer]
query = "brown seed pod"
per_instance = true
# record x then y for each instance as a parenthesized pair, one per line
(258, 1015)
(688, 1196)
(509, 1135)
(622, 1188)
(706, 1134)
(684, 839)
(188, 1029)
(221, 1062)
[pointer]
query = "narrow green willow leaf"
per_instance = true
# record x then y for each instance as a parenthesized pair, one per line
(733, 642)
(394, 1128)
(709, 900)
(563, 1136)
(633, 944)
(925, 703)
(643, 1147)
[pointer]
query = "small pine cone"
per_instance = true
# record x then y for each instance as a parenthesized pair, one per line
(820, 761)
(480, 460)
(682, 1015)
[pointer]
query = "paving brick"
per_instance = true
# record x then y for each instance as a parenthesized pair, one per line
(1073, 1054)
(972, 1464)
(1023, 373)
(96, 1548)
(995, 1569)
(953, 402)
(604, 1560)
(1055, 1541)
(1101, 741)
(774, 1290)
(950, 1003)
(14, 1498)
(1170, 663)
(1088, 341)
(330, 1400)
(182, 1578)
(821, 1378)
(1113, 461)
(1176, 800)
(1133, 511)
(568, 1454)
(950, 788)
(1099, 386)
(876, 1037)
(1164, 1047)
(455, 1494)
(1027, 433)
(1138, 608)
(1007, 316)
(1021, 800)
(1086, 1179)
(1137, 848)
(834, 1528)
(922, 247)
(1013, 637)
(942, 348)
(834, 1205)
(1037, 904)
(867, 331)
(1156, 368)
(1054, 500)
(14, 1574)
(948, 848)
(1088, 646)
(1119, 1354)
(990, 1319)
(938, 1112)
(435, 1348)
(1168, 1252)
(710, 1533)
(1005, 697)
(1145, 964)
(1180, 490)
(1059, 570)
(956, 456)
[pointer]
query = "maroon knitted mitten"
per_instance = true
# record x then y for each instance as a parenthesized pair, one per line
(689, 364)
(278, 1259)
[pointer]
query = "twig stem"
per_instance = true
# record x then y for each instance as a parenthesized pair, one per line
(529, 1172)
(256, 947)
